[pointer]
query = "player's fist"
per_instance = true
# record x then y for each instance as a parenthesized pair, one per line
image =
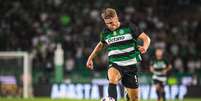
(142, 49)
(164, 72)
(89, 64)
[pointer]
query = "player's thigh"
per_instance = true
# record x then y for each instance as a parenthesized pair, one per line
(157, 86)
(133, 94)
(114, 75)
(162, 86)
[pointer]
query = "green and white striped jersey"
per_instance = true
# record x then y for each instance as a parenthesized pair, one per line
(159, 65)
(122, 45)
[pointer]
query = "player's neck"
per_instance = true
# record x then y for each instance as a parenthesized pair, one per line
(159, 58)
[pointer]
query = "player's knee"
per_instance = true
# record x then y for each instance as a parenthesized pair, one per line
(157, 87)
(134, 98)
(113, 80)
(162, 89)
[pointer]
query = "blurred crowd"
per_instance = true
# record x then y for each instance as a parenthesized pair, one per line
(38, 25)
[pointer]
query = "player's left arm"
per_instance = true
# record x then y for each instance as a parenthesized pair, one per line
(146, 42)
(151, 68)
(168, 68)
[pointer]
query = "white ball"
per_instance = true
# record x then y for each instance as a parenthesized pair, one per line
(107, 99)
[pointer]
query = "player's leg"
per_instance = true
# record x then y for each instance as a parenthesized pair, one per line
(126, 94)
(162, 90)
(158, 91)
(130, 82)
(133, 94)
(114, 76)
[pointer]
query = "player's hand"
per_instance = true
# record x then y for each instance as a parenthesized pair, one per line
(142, 49)
(164, 72)
(90, 64)
(152, 70)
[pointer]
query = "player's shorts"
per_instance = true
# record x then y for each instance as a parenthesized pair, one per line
(129, 75)
(161, 83)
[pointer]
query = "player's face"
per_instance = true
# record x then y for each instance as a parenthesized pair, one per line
(112, 23)
(159, 53)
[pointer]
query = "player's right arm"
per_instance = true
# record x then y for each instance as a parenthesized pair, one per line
(151, 69)
(168, 68)
(97, 49)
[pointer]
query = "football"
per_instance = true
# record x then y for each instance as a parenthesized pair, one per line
(107, 99)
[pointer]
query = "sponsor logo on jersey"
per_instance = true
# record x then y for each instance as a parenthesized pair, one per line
(119, 38)
(116, 39)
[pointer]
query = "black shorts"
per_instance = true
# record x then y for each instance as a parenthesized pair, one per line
(129, 76)
(161, 83)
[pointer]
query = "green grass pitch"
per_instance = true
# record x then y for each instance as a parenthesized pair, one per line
(48, 99)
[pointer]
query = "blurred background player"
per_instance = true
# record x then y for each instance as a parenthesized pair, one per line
(159, 67)
(123, 53)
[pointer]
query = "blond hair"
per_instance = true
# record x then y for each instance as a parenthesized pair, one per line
(108, 13)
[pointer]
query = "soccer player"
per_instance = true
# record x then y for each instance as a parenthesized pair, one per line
(123, 53)
(159, 67)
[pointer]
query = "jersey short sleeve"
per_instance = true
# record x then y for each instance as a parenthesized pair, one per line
(166, 62)
(102, 39)
(151, 63)
(135, 30)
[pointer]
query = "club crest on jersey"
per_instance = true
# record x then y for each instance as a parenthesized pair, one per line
(121, 31)
(114, 33)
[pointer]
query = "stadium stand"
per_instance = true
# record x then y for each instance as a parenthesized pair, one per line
(38, 25)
